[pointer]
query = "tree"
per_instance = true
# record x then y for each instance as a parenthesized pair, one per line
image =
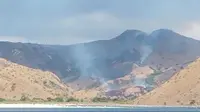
(1, 100)
(192, 102)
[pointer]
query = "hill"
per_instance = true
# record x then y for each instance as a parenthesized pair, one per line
(182, 89)
(18, 82)
(162, 50)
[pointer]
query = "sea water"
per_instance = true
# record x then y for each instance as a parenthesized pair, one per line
(102, 109)
(126, 109)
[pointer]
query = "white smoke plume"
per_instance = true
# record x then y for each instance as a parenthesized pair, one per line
(83, 59)
(140, 82)
(85, 63)
(146, 50)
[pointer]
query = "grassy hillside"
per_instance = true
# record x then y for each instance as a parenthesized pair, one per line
(18, 82)
(182, 89)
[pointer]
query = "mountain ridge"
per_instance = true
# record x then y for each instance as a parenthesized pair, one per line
(139, 49)
(98, 65)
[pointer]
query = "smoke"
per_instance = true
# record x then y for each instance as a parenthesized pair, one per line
(140, 82)
(105, 84)
(85, 62)
(83, 59)
(146, 50)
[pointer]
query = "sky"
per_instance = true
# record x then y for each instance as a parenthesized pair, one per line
(75, 21)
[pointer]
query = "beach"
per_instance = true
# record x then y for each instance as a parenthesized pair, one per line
(72, 105)
(94, 108)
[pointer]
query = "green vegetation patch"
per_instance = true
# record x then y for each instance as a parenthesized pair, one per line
(2, 100)
(63, 99)
(71, 99)
(109, 100)
(150, 79)
(24, 98)
(98, 99)
(59, 99)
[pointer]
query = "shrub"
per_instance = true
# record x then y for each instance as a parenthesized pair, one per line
(44, 82)
(156, 73)
(115, 99)
(192, 102)
(24, 98)
(59, 99)
(13, 86)
(97, 99)
(1, 100)
(37, 99)
(71, 99)
(150, 80)
(49, 99)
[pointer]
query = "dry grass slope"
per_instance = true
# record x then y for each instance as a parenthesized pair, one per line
(182, 89)
(17, 81)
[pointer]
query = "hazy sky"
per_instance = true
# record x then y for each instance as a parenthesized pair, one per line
(74, 21)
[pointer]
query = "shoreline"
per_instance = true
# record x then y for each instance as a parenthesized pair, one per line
(73, 105)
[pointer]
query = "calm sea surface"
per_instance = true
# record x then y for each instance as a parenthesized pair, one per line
(106, 109)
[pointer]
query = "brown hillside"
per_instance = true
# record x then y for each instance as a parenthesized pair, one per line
(182, 89)
(17, 81)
